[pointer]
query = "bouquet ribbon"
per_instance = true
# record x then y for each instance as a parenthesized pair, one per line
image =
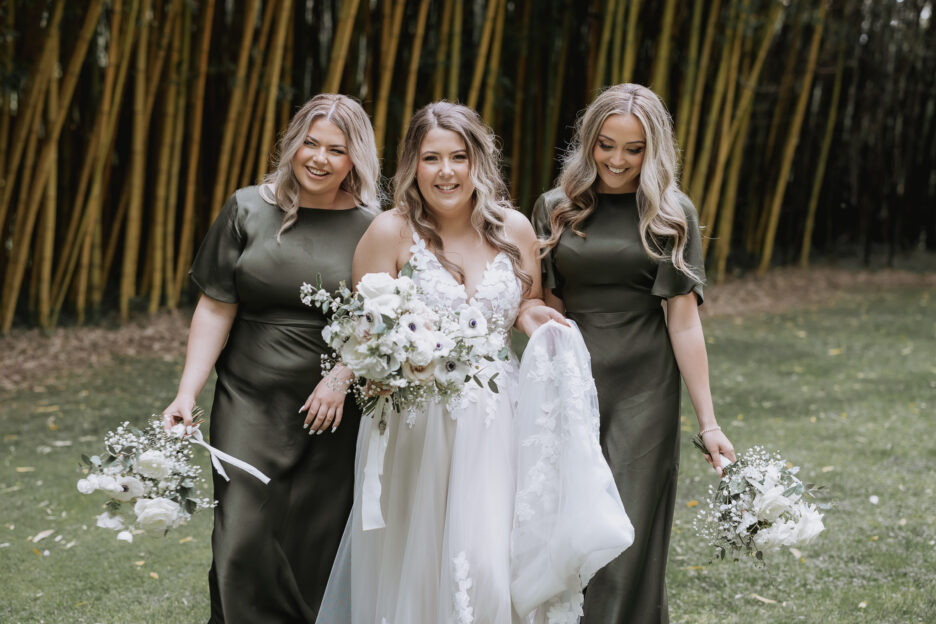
(220, 456)
(371, 514)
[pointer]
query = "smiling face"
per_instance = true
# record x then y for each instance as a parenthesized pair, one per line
(321, 164)
(619, 154)
(443, 173)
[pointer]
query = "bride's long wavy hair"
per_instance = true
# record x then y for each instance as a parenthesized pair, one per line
(662, 218)
(281, 187)
(491, 200)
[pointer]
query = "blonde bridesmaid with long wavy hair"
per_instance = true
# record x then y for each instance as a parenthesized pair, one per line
(623, 259)
(273, 545)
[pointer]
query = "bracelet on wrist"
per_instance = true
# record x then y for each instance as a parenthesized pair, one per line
(709, 430)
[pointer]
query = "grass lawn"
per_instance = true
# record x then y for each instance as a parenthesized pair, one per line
(845, 392)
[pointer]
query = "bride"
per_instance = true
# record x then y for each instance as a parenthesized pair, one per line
(442, 553)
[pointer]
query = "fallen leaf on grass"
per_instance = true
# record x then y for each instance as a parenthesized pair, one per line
(25, 469)
(61, 443)
(80, 604)
(154, 575)
(835, 351)
(41, 535)
(873, 499)
(36, 552)
(762, 599)
(692, 503)
(138, 563)
(45, 409)
(796, 553)
(10, 437)
(827, 468)
(874, 538)
(902, 522)
(186, 539)
(862, 604)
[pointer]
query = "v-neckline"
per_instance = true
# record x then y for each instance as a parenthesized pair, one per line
(464, 289)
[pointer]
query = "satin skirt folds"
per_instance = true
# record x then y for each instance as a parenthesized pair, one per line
(273, 545)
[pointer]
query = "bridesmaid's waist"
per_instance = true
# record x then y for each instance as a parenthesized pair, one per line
(610, 300)
(300, 319)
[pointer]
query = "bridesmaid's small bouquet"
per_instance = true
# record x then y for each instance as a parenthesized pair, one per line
(400, 350)
(758, 506)
(151, 472)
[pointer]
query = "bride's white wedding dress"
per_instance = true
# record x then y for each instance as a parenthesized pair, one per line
(449, 489)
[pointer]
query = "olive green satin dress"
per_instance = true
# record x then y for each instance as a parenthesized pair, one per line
(273, 545)
(613, 290)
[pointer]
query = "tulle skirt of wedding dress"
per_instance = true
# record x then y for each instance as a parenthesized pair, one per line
(447, 499)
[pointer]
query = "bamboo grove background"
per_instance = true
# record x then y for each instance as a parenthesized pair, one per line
(804, 126)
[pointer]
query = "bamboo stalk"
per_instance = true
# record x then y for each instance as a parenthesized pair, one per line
(243, 155)
(386, 75)
(661, 65)
(455, 66)
(610, 10)
(823, 159)
(222, 187)
(158, 56)
(700, 172)
(180, 64)
(46, 237)
(481, 58)
(285, 103)
(113, 238)
(687, 89)
(786, 89)
(17, 267)
(5, 95)
(630, 42)
(412, 75)
(131, 253)
(617, 48)
(726, 217)
(30, 104)
(276, 66)
(188, 211)
(520, 86)
(493, 66)
(555, 101)
(339, 53)
(689, 148)
(792, 140)
(438, 76)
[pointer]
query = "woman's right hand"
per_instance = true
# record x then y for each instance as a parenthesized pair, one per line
(179, 411)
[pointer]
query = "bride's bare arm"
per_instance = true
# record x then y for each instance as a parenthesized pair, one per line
(383, 247)
(533, 309)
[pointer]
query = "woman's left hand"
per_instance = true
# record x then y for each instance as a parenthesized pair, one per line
(532, 316)
(326, 403)
(717, 444)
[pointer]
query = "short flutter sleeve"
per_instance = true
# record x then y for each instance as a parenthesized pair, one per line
(670, 281)
(213, 269)
(540, 219)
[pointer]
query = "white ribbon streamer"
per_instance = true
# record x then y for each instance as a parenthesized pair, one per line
(371, 513)
(195, 437)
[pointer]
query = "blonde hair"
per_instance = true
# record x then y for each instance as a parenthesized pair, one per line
(662, 218)
(362, 182)
(490, 198)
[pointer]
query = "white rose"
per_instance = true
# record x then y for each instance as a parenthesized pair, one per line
(777, 535)
(107, 483)
(383, 305)
(471, 322)
(809, 524)
(87, 486)
(768, 505)
(125, 536)
(424, 344)
(153, 464)
(374, 285)
(405, 285)
(106, 520)
(419, 374)
(130, 488)
(449, 370)
(157, 514)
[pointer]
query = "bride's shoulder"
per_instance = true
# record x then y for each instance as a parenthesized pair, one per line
(390, 227)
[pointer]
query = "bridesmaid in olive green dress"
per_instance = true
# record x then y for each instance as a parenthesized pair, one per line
(621, 240)
(273, 545)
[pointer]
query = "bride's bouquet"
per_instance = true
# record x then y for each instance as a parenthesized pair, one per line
(151, 472)
(400, 350)
(758, 506)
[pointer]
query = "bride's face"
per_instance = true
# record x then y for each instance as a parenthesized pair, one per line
(443, 174)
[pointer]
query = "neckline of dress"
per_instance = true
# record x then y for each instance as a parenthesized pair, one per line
(464, 289)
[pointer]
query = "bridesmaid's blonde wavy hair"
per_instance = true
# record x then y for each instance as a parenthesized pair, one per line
(490, 198)
(281, 187)
(662, 218)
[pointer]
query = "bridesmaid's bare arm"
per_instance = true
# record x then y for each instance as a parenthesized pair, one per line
(685, 332)
(211, 324)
